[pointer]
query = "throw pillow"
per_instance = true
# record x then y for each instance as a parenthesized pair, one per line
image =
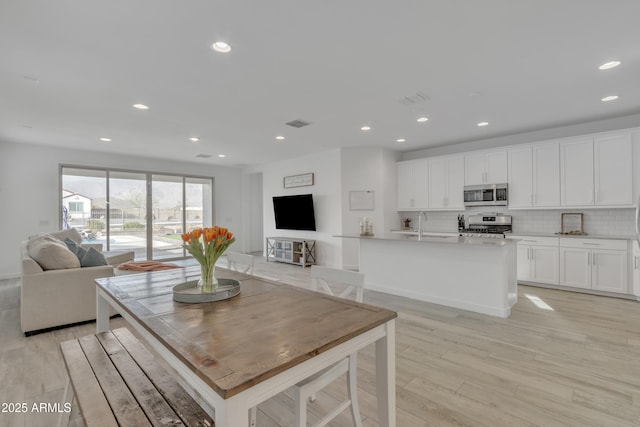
(79, 251)
(52, 254)
(93, 258)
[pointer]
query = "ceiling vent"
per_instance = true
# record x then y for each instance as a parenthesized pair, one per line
(203, 156)
(298, 123)
(417, 98)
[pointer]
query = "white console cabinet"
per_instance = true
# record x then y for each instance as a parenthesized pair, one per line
(291, 250)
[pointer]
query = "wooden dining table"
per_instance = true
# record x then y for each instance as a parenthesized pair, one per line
(237, 353)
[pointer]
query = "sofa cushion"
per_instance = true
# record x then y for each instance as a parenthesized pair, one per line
(75, 248)
(70, 233)
(52, 254)
(93, 258)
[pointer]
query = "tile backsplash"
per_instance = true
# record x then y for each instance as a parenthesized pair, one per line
(598, 222)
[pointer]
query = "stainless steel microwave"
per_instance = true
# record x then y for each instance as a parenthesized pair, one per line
(486, 195)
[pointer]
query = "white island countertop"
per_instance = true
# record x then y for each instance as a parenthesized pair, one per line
(469, 273)
(444, 239)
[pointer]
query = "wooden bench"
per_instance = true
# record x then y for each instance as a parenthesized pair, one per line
(118, 382)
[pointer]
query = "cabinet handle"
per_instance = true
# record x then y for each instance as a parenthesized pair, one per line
(531, 253)
(588, 258)
(593, 259)
(635, 262)
(591, 244)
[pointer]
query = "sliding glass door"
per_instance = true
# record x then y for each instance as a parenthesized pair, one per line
(133, 210)
(127, 215)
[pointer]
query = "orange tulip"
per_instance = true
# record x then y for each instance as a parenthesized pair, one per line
(229, 235)
(186, 237)
(223, 231)
(208, 235)
(196, 233)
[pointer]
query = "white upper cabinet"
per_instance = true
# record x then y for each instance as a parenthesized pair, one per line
(576, 172)
(487, 167)
(412, 178)
(546, 175)
(520, 177)
(597, 171)
(534, 176)
(613, 174)
(446, 183)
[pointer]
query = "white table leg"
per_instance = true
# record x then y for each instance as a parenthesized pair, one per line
(233, 413)
(386, 376)
(102, 313)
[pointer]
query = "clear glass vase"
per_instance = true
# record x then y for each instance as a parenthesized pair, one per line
(207, 283)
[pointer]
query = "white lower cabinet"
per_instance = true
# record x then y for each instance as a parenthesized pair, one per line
(635, 260)
(538, 260)
(598, 264)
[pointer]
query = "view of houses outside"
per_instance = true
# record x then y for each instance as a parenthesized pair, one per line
(175, 203)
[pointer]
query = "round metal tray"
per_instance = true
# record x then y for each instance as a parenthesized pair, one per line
(190, 293)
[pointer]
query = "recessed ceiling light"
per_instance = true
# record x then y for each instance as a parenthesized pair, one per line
(401, 140)
(365, 128)
(105, 139)
(610, 98)
(609, 65)
(140, 106)
(422, 119)
(279, 137)
(222, 155)
(194, 139)
(221, 47)
(483, 124)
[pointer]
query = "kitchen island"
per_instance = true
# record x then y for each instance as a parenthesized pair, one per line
(475, 274)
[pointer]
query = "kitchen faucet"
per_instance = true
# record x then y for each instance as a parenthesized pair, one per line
(420, 215)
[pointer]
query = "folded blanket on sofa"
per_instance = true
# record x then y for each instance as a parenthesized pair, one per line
(147, 266)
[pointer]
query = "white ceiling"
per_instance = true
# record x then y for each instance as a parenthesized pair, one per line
(71, 69)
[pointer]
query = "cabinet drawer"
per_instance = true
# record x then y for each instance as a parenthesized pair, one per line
(616, 245)
(537, 240)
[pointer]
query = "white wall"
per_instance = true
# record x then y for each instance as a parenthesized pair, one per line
(326, 197)
(366, 169)
(30, 193)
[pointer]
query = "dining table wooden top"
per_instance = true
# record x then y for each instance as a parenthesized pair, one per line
(237, 343)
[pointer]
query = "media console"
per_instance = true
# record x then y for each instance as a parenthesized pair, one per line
(290, 250)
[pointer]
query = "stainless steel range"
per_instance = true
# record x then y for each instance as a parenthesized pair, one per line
(489, 225)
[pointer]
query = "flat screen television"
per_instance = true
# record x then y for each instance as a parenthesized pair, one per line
(294, 212)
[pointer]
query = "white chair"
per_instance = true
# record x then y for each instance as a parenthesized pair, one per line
(328, 280)
(240, 262)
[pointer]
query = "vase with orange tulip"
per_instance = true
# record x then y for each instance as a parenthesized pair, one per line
(207, 245)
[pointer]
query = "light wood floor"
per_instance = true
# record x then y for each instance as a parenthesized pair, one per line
(561, 359)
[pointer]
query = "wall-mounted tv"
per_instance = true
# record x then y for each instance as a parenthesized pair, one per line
(294, 212)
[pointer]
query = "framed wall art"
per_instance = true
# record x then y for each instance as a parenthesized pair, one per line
(302, 180)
